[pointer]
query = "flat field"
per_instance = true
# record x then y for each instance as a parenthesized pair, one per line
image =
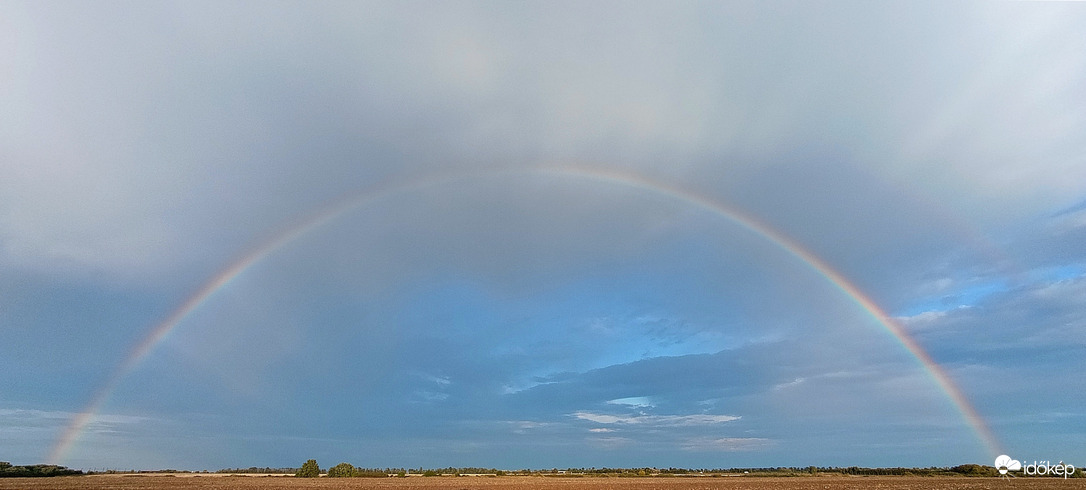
(145, 482)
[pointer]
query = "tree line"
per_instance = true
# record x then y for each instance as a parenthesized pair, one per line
(343, 470)
(310, 469)
(9, 470)
(257, 470)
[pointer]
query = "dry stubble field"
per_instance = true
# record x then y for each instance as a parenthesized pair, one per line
(140, 482)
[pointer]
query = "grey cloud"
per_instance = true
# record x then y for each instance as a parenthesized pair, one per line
(1027, 320)
(391, 95)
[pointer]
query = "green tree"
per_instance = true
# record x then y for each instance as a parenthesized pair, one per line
(309, 470)
(342, 470)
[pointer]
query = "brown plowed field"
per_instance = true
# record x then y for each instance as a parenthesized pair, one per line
(141, 482)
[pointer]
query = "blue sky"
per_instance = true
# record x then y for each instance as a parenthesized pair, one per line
(478, 305)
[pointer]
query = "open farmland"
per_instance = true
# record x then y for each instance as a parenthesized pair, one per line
(143, 482)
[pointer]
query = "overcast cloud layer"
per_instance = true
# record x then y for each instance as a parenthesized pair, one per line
(490, 310)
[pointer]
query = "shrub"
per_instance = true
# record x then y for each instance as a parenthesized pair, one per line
(309, 470)
(342, 470)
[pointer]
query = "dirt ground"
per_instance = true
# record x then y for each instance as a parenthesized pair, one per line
(144, 482)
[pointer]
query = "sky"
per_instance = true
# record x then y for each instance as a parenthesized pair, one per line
(542, 234)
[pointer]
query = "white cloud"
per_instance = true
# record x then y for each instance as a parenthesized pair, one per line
(727, 444)
(431, 396)
(633, 401)
(527, 426)
(611, 442)
(656, 420)
(790, 384)
(52, 421)
(28, 414)
(921, 320)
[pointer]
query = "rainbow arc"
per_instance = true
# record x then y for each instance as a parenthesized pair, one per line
(612, 177)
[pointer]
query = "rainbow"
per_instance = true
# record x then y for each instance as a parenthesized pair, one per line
(639, 182)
